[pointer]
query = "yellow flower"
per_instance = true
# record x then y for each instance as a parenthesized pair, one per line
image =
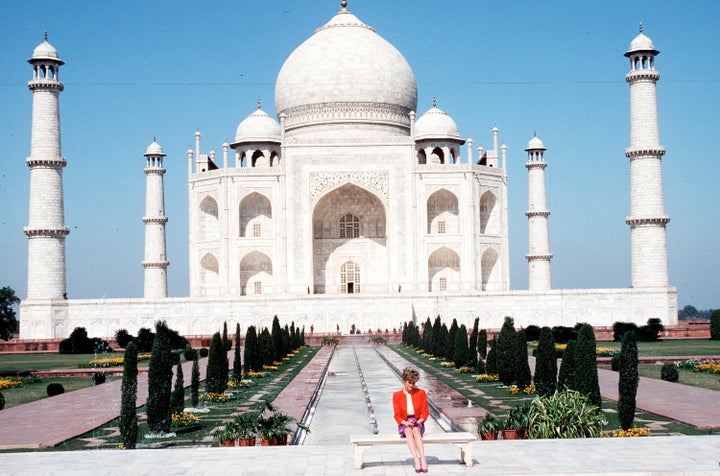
(9, 383)
(487, 378)
(630, 433)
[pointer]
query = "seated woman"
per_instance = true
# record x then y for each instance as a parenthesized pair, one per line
(410, 410)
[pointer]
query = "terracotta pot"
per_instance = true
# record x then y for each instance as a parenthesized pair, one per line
(489, 435)
(523, 434)
(275, 441)
(226, 443)
(246, 441)
(511, 435)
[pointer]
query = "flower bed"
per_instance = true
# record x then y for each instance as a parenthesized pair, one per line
(114, 361)
(487, 378)
(10, 383)
(528, 390)
(629, 433)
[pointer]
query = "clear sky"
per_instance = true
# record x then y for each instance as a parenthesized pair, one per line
(138, 69)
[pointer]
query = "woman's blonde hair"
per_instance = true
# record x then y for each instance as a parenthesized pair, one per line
(410, 375)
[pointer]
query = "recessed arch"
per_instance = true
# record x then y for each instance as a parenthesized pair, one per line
(442, 213)
(444, 270)
(209, 274)
(489, 271)
(255, 213)
(256, 274)
(208, 222)
(489, 216)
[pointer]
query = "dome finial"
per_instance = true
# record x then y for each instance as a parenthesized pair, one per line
(343, 4)
(45, 34)
(640, 27)
(259, 104)
(434, 101)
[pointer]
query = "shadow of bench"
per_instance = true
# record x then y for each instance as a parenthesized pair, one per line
(461, 439)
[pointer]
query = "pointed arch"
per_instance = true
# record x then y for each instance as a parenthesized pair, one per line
(489, 271)
(255, 216)
(444, 270)
(209, 275)
(421, 157)
(256, 274)
(442, 213)
(208, 223)
(349, 278)
(488, 213)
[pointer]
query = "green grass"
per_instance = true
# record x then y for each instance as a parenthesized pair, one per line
(26, 361)
(36, 391)
(682, 348)
(688, 377)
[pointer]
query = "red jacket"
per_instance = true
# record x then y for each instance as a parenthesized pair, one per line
(419, 400)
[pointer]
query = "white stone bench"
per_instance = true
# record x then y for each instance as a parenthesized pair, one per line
(461, 439)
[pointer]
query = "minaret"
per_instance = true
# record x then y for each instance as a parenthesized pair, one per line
(155, 262)
(647, 218)
(539, 255)
(46, 229)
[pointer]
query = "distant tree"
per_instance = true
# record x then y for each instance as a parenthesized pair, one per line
(482, 344)
(532, 333)
(688, 313)
(123, 338)
(237, 363)
(251, 355)
(216, 375)
(460, 349)
(145, 339)
(472, 345)
(715, 325)
(177, 398)
(128, 404)
(523, 377)
(651, 331)
(620, 328)
(159, 416)
(546, 364)
(506, 352)
(77, 343)
(585, 377)
(567, 368)
(278, 350)
(491, 366)
(628, 380)
(8, 321)
(195, 382)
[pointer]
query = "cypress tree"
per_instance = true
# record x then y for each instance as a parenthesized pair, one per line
(195, 382)
(177, 399)
(585, 376)
(472, 345)
(266, 347)
(225, 340)
(437, 336)
(450, 340)
(251, 356)
(237, 363)
(159, 416)
(546, 364)
(715, 325)
(567, 368)
(460, 349)
(628, 381)
(482, 344)
(506, 352)
(128, 405)
(523, 377)
(427, 336)
(278, 351)
(216, 374)
(491, 361)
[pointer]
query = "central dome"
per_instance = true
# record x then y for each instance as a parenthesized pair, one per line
(348, 72)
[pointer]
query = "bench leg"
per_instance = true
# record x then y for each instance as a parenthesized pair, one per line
(358, 452)
(466, 453)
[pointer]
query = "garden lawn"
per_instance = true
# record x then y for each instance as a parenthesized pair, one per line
(27, 362)
(680, 348)
(496, 398)
(36, 391)
(706, 380)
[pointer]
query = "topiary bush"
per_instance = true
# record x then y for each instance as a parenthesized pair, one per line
(566, 414)
(585, 376)
(628, 381)
(98, 378)
(204, 352)
(55, 389)
(615, 362)
(190, 354)
(505, 349)
(546, 364)
(715, 325)
(669, 372)
(2, 401)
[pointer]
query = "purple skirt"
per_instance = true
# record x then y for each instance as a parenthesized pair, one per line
(411, 418)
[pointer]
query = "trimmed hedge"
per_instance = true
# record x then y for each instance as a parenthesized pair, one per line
(55, 389)
(669, 372)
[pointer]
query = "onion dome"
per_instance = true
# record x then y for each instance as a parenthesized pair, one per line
(535, 144)
(345, 72)
(436, 124)
(641, 43)
(45, 51)
(258, 127)
(154, 149)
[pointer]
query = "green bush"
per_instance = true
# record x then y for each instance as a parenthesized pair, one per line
(2, 401)
(195, 383)
(615, 362)
(128, 409)
(546, 364)
(217, 367)
(491, 361)
(669, 372)
(628, 381)
(189, 354)
(204, 352)
(159, 416)
(564, 334)
(585, 377)
(98, 378)
(506, 352)
(55, 389)
(123, 338)
(460, 349)
(566, 414)
(177, 397)
(251, 355)
(715, 325)
(620, 328)
(566, 373)
(532, 333)
(523, 377)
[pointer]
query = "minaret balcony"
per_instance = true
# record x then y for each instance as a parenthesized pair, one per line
(45, 162)
(160, 220)
(546, 257)
(156, 264)
(640, 74)
(644, 151)
(640, 221)
(537, 213)
(45, 83)
(46, 232)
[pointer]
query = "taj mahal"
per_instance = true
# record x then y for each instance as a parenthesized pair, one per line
(345, 208)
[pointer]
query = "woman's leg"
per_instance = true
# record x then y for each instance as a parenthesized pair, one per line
(419, 447)
(410, 436)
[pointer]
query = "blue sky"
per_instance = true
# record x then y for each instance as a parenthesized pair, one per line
(138, 69)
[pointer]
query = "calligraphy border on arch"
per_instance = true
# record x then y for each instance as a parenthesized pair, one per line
(321, 182)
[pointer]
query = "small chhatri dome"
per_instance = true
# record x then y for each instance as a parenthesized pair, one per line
(258, 127)
(535, 144)
(45, 51)
(436, 124)
(641, 43)
(154, 149)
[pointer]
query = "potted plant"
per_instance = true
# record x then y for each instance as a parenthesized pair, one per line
(516, 423)
(247, 428)
(488, 428)
(227, 434)
(274, 427)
